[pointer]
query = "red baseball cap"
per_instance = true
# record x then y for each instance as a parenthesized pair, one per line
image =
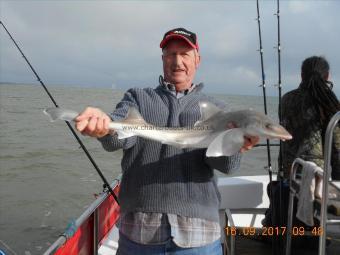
(180, 33)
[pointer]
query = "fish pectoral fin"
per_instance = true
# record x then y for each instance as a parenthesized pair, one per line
(133, 116)
(124, 134)
(227, 143)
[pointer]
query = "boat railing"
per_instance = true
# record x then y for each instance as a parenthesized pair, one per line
(327, 173)
(91, 212)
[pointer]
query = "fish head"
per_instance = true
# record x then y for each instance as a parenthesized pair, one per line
(258, 124)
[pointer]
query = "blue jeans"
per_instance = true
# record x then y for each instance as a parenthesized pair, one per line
(128, 247)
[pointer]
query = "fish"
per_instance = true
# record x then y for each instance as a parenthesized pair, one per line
(211, 131)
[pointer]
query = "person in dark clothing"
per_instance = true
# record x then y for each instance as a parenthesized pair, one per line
(306, 112)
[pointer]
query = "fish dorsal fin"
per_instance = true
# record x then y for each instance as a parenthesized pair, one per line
(133, 117)
(207, 110)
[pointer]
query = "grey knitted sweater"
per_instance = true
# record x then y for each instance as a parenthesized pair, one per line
(161, 178)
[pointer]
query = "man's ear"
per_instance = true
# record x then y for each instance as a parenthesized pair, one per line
(198, 60)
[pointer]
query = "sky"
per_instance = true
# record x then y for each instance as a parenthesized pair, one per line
(116, 43)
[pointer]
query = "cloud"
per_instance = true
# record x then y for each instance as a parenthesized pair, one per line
(299, 7)
(231, 41)
(105, 42)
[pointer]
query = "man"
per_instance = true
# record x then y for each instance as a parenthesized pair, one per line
(169, 200)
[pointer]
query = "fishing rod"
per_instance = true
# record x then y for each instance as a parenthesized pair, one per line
(106, 184)
(279, 84)
(280, 160)
(265, 145)
(263, 85)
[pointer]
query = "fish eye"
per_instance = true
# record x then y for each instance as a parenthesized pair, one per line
(268, 125)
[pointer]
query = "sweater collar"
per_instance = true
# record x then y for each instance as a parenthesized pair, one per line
(172, 89)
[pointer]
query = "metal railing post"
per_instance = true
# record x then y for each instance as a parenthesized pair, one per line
(327, 169)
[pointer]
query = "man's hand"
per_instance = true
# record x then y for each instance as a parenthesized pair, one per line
(93, 122)
(249, 142)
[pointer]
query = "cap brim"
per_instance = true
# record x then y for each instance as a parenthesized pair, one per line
(165, 41)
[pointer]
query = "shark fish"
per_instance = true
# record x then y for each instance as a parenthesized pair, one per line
(211, 131)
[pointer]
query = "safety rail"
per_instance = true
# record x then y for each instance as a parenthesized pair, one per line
(91, 216)
(327, 167)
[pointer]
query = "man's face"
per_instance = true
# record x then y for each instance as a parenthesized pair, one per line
(180, 62)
